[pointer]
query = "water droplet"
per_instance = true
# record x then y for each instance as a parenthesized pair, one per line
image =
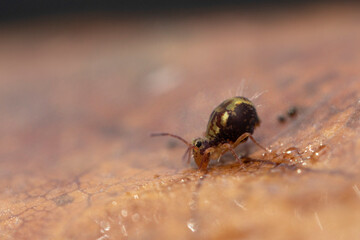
(105, 225)
(298, 171)
(136, 196)
(124, 213)
(135, 217)
(192, 225)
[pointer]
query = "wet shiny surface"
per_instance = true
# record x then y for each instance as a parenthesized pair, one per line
(78, 102)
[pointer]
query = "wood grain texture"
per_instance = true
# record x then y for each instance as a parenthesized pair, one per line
(79, 97)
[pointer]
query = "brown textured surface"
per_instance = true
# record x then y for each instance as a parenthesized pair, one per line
(78, 99)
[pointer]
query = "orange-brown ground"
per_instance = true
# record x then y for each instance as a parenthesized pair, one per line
(78, 99)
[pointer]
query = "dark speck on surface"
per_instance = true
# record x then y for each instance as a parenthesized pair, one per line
(63, 200)
(292, 111)
(281, 118)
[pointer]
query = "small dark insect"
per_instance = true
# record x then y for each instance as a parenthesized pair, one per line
(231, 123)
(292, 111)
(281, 118)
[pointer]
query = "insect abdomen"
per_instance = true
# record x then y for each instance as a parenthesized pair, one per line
(231, 119)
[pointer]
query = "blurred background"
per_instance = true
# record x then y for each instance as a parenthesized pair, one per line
(23, 9)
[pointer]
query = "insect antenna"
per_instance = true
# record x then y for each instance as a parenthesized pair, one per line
(171, 135)
(190, 146)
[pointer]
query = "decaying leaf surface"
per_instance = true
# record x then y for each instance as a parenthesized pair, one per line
(78, 102)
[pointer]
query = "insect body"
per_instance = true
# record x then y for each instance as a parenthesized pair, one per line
(231, 123)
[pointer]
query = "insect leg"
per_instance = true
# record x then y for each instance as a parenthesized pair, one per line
(226, 146)
(244, 136)
(205, 158)
(259, 145)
